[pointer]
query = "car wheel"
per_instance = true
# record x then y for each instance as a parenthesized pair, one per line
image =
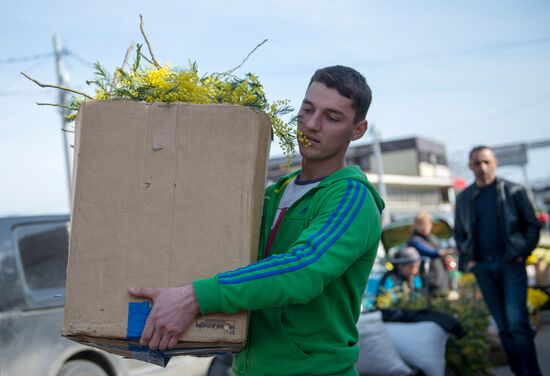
(81, 368)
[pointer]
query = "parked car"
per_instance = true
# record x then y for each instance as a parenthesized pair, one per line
(33, 262)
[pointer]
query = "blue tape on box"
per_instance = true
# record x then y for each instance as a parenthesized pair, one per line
(137, 316)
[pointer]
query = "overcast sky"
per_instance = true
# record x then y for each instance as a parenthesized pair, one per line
(460, 73)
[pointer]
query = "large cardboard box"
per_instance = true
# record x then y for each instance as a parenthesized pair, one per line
(162, 194)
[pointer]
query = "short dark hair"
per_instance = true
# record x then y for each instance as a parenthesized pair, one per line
(475, 149)
(350, 84)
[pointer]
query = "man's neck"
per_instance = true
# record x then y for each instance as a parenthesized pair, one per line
(312, 170)
(485, 183)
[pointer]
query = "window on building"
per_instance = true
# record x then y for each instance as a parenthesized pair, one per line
(445, 195)
(361, 161)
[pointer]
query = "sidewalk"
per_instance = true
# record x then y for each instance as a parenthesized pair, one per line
(542, 342)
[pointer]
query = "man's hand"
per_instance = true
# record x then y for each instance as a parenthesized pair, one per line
(470, 265)
(173, 311)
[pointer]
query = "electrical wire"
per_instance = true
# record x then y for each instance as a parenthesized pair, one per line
(13, 60)
(19, 93)
(505, 111)
(78, 58)
(465, 51)
(29, 69)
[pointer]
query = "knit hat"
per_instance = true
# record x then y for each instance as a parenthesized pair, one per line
(407, 255)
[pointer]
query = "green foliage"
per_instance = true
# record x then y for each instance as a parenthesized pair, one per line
(156, 83)
(469, 355)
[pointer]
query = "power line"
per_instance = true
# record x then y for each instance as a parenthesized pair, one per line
(519, 107)
(30, 68)
(41, 59)
(78, 58)
(465, 51)
(65, 52)
(293, 69)
(19, 93)
(13, 60)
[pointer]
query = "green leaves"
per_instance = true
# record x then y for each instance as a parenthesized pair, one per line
(156, 83)
(137, 60)
(469, 355)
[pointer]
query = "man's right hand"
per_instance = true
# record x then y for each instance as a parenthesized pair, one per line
(470, 265)
(173, 311)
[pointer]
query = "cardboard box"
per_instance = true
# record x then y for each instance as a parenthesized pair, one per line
(163, 194)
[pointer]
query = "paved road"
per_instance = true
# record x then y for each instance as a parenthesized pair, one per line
(543, 348)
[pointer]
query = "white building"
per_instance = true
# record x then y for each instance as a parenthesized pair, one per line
(416, 174)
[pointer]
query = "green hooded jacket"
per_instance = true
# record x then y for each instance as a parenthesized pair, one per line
(305, 297)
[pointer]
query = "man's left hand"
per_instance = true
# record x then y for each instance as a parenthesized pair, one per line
(173, 311)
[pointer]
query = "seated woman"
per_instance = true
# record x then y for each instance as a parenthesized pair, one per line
(438, 278)
(403, 280)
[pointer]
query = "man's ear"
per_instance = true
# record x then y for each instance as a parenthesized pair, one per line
(359, 130)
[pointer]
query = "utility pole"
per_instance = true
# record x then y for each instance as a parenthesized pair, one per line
(516, 155)
(386, 215)
(528, 186)
(62, 80)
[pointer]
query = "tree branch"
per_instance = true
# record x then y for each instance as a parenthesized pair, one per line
(147, 41)
(127, 56)
(245, 59)
(146, 58)
(57, 87)
(54, 105)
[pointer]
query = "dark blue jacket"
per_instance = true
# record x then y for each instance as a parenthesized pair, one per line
(516, 216)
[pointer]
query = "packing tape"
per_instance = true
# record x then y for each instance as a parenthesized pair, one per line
(137, 316)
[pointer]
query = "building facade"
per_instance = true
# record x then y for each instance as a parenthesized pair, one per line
(416, 174)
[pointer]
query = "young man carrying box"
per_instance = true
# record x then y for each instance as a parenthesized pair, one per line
(320, 232)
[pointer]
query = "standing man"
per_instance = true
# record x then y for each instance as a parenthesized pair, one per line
(495, 231)
(320, 232)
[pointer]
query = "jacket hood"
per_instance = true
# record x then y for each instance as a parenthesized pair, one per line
(349, 172)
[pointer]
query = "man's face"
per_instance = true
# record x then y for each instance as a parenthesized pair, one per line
(326, 119)
(483, 163)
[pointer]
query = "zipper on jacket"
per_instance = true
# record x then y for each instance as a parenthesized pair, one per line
(272, 210)
(501, 199)
(248, 347)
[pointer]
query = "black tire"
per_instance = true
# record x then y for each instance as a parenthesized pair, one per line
(81, 368)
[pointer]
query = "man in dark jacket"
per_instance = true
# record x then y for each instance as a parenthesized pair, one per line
(495, 230)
